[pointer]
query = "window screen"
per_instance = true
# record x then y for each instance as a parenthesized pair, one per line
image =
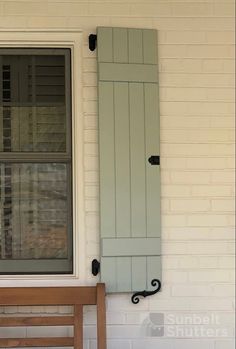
(35, 161)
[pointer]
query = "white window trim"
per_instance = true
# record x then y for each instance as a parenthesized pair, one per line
(60, 39)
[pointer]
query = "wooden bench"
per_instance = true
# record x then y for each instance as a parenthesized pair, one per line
(75, 296)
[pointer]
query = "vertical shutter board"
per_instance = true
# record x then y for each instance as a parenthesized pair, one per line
(149, 46)
(109, 273)
(139, 271)
(152, 123)
(107, 155)
(135, 39)
(152, 148)
(105, 44)
(128, 101)
(124, 272)
(137, 160)
(122, 159)
(153, 205)
(120, 45)
(153, 270)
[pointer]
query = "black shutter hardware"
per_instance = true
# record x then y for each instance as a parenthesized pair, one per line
(92, 42)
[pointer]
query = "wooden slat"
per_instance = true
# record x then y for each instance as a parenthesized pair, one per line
(36, 342)
(120, 45)
(101, 317)
(36, 321)
(47, 295)
(107, 155)
(149, 46)
(135, 46)
(124, 274)
(128, 72)
(139, 270)
(130, 247)
(122, 159)
(137, 161)
(78, 327)
(153, 270)
(109, 273)
(152, 144)
(105, 52)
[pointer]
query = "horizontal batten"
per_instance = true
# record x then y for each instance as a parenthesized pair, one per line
(37, 321)
(128, 72)
(131, 247)
(36, 342)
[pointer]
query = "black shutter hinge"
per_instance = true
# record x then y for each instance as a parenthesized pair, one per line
(155, 282)
(92, 42)
(95, 267)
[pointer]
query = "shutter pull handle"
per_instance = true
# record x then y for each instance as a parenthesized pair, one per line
(154, 160)
(155, 282)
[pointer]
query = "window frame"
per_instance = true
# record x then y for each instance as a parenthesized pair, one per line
(71, 39)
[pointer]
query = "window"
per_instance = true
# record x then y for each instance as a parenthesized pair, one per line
(35, 161)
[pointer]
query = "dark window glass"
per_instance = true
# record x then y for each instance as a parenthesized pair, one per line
(35, 161)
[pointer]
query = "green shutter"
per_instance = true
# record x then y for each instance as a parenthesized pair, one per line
(128, 135)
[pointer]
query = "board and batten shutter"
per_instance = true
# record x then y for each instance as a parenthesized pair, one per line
(128, 105)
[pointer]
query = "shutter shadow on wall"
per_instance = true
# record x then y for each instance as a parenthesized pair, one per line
(130, 224)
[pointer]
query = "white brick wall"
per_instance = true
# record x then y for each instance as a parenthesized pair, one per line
(197, 135)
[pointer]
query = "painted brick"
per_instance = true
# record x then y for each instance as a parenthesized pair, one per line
(19, 332)
(196, 80)
(224, 9)
(109, 9)
(189, 205)
(226, 37)
(190, 177)
(195, 136)
(191, 290)
(183, 37)
(24, 8)
(47, 22)
(206, 220)
(212, 190)
(206, 24)
(184, 94)
(150, 10)
(225, 344)
(223, 290)
(223, 177)
(210, 276)
(194, 343)
(223, 205)
(226, 262)
(176, 191)
(192, 10)
(209, 51)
